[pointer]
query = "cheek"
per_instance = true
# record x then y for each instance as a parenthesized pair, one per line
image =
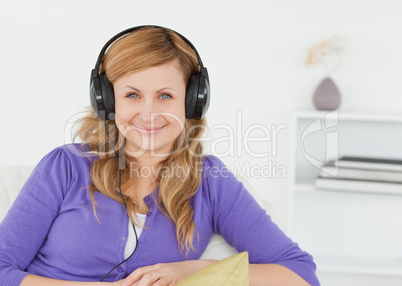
(180, 110)
(121, 118)
(124, 111)
(122, 124)
(120, 109)
(177, 117)
(177, 124)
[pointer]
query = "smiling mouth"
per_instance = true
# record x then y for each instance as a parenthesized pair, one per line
(147, 131)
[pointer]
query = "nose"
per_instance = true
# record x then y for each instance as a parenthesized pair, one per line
(149, 112)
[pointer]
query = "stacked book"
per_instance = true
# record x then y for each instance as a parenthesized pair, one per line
(362, 174)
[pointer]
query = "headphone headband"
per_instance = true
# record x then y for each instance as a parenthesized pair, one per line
(129, 30)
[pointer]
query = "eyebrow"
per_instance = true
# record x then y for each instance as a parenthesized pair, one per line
(158, 91)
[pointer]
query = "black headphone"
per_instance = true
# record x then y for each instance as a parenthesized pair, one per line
(102, 93)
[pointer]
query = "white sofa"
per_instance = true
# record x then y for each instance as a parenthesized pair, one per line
(12, 178)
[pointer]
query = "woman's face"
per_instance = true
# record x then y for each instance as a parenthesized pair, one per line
(150, 109)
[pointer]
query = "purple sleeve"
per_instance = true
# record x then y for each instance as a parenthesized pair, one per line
(247, 227)
(26, 225)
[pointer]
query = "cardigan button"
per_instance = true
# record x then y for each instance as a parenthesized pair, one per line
(149, 213)
(120, 269)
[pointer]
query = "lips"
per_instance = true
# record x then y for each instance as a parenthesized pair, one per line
(147, 130)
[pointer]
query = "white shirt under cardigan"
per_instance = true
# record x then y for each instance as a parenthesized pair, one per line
(132, 240)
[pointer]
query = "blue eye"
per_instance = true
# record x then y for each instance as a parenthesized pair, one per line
(132, 95)
(165, 96)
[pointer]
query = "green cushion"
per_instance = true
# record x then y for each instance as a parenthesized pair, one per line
(229, 271)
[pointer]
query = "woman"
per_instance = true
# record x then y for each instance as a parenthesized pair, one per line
(137, 202)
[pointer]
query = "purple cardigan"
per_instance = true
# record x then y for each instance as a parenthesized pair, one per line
(51, 230)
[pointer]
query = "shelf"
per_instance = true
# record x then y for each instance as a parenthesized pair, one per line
(309, 187)
(340, 228)
(350, 116)
(364, 266)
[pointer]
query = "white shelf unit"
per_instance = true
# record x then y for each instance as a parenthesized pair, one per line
(355, 238)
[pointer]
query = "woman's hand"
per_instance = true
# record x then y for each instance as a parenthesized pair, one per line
(165, 274)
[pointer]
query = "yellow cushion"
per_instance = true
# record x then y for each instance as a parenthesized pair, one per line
(231, 271)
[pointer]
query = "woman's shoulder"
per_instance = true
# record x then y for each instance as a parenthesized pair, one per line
(214, 167)
(60, 169)
(217, 178)
(73, 151)
(211, 161)
(68, 156)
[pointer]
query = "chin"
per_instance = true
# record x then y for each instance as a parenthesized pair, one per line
(160, 150)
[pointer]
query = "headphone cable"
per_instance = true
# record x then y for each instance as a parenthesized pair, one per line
(124, 202)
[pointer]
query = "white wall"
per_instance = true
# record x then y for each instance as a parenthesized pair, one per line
(254, 50)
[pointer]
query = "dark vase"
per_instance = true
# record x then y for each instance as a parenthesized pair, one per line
(327, 96)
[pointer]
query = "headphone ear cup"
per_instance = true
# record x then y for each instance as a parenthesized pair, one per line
(96, 94)
(191, 96)
(108, 97)
(203, 97)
